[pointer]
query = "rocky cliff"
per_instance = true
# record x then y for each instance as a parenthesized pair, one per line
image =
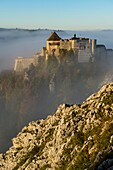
(76, 137)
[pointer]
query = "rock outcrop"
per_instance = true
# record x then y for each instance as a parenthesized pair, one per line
(76, 137)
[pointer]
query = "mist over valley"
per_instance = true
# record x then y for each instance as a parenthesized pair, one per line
(20, 42)
(48, 84)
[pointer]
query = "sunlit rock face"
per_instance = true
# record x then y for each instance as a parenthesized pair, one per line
(75, 137)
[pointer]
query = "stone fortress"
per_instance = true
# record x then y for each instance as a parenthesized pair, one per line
(84, 49)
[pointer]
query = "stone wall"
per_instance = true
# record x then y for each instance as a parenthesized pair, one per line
(84, 47)
(23, 63)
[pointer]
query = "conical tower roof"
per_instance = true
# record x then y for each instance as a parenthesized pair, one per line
(54, 37)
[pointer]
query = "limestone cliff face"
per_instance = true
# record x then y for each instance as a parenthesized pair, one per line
(77, 137)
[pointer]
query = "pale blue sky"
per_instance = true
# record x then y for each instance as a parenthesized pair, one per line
(57, 14)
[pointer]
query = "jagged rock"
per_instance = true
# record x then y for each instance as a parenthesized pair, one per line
(76, 137)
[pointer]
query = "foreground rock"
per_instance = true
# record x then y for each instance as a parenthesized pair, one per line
(77, 137)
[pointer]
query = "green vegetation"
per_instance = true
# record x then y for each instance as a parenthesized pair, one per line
(30, 156)
(109, 99)
(37, 150)
(45, 166)
(24, 100)
(84, 148)
(84, 160)
(77, 140)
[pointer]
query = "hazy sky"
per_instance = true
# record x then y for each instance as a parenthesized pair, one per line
(57, 14)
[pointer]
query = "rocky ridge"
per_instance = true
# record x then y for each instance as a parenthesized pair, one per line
(76, 137)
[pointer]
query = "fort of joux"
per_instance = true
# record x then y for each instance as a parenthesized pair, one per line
(84, 49)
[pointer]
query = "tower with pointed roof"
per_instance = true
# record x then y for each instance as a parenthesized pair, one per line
(83, 49)
(53, 44)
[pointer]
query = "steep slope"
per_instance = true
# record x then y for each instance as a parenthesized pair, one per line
(76, 137)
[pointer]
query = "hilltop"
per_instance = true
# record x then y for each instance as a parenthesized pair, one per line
(75, 137)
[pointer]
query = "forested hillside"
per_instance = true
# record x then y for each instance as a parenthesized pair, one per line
(37, 92)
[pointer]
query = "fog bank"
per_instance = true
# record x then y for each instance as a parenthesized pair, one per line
(17, 42)
(23, 101)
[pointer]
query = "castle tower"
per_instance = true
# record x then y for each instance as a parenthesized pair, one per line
(53, 44)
